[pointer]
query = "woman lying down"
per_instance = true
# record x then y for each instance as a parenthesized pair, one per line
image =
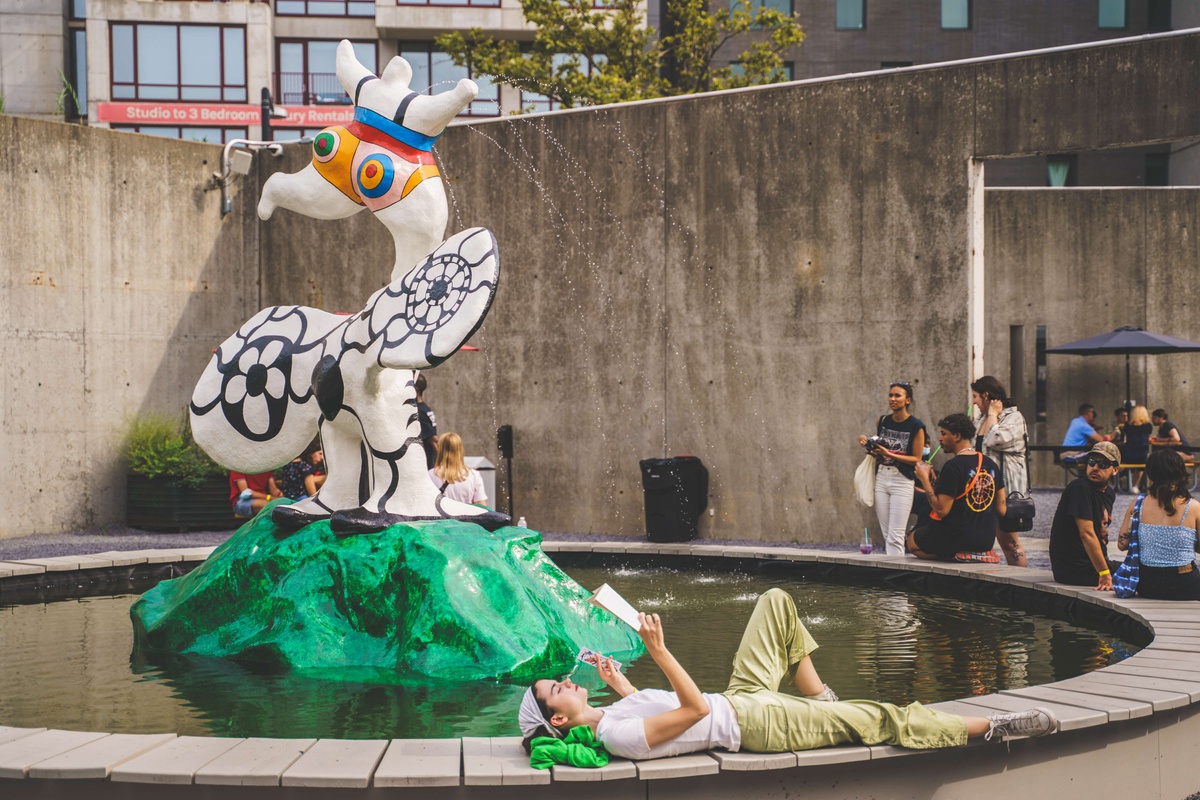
(751, 714)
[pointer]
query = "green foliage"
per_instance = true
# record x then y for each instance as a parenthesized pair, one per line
(1, 104)
(157, 445)
(582, 55)
(66, 92)
(702, 33)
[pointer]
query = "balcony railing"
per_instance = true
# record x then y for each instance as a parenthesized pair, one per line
(309, 89)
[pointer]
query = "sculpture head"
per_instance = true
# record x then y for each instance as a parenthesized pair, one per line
(379, 158)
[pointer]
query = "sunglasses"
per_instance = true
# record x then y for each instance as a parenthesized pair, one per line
(1102, 463)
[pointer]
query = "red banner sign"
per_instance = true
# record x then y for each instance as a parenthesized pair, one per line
(193, 115)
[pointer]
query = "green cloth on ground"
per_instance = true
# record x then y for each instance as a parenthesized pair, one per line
(578, 749)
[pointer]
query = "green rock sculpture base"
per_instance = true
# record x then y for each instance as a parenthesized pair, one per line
(445, 600)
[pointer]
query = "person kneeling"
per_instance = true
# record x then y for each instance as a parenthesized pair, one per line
(967, 502)
(751, 714)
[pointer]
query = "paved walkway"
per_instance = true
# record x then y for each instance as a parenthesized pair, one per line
(116, 537)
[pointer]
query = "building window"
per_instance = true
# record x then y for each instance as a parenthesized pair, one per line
(294, 134)
(75, 103)
(178, 62)
(308, 71)
(211, 135)
(434, 72)
(475, 3)
(784, 74)
(1158, 16)
(1157, 173)
(956, 15)
(1062, 170)
(1112, 14)
(851, 15)
(784, 7)
(77, 9)
(325, 8)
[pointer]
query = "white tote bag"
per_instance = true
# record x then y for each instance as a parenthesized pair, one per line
(864, 481)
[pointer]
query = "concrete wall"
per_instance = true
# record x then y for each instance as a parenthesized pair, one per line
(118, 278)
(1086, 261)
(31, 54)
(736, 276)
(726, 277)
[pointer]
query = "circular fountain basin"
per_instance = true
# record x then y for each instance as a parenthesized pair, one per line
(1111, 718)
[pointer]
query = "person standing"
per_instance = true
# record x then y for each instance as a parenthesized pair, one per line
(1001, 435)
(1168, 534)
(1079, 533)
(901, 440)
(429, 434)
(966, 502)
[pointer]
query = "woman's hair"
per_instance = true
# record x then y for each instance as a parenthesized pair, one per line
(1139, 416)
(450, 465)
(990, 388)
(906, 386)
(544, 730)
(313, 447)
(1168, 479)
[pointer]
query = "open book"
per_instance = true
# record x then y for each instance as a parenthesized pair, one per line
(607, 598)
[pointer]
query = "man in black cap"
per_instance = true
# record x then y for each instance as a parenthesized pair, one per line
(1079, 533)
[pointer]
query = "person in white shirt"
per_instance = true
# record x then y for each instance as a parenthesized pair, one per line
(751, 714)
(451, 474)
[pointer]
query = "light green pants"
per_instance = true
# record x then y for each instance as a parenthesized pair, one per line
(775, 641)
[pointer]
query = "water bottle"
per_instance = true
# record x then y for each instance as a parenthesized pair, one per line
(521, 523)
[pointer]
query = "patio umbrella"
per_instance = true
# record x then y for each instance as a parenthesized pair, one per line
(1129, 341)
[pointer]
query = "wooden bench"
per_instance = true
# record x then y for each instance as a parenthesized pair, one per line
(1074, 468)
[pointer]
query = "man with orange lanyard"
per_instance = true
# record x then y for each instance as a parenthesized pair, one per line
(967, 501)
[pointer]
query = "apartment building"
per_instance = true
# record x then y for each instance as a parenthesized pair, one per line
(199, 69)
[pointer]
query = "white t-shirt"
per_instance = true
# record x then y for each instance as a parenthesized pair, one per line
(469, 490)
(622, 729)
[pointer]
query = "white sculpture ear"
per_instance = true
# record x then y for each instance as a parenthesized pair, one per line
(398, 73)
(429, 114)
(349, 71)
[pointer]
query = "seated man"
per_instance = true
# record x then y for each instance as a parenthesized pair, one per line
(249, 493)
(1079, 533)
(1082, 432)
(1169, 434)
(1120, 420)
(967, 501)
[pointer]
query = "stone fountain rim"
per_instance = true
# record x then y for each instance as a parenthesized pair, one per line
(483, 757)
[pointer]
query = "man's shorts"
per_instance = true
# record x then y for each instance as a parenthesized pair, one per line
(244, 507)
(939, 539)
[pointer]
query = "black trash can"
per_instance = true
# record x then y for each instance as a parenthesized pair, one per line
(676, 491)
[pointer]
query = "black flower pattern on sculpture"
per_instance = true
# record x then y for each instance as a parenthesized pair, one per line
(255, 387)
(436, 291)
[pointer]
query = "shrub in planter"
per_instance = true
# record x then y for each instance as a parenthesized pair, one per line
(172, 484)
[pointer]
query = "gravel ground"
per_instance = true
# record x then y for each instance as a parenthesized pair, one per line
(115, 537)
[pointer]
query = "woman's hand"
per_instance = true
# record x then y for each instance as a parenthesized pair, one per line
(862, 441)
(995, 407)
(652, 633)
(613, 677)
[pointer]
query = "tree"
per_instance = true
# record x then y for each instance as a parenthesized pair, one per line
(582, 55)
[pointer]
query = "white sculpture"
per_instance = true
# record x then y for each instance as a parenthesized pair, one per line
(291, 369)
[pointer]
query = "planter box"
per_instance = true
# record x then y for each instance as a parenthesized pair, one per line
(162, 505)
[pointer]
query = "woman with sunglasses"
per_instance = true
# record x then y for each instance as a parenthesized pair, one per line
(1001, 435)
(1168, 532)
(901, 440)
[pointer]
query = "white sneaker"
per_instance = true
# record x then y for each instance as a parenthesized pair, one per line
(826, 695)
(1029, 724)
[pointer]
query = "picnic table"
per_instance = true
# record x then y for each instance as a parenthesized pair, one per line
(1073, 468)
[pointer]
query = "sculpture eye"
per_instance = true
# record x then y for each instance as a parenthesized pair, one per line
(375, 176)
(325, 146)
